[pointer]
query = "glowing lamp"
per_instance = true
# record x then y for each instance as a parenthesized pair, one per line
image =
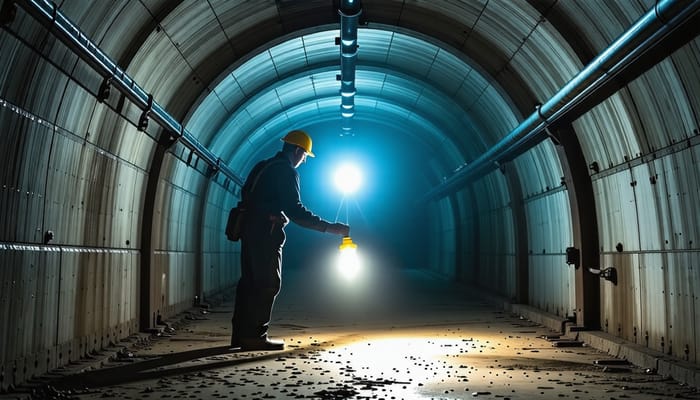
(348, 261)
(348, 179)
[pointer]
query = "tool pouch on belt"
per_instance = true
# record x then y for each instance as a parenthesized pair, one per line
(235, 223)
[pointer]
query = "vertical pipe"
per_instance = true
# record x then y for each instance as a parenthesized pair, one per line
(349, 11)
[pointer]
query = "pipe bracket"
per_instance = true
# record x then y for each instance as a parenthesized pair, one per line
(143, 120)
(104, 91)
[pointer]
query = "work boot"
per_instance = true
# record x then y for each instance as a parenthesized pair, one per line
(262, 343)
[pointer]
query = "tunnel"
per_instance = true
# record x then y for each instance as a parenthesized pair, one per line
(540, 154)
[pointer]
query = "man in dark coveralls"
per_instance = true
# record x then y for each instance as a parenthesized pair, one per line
(271, 197)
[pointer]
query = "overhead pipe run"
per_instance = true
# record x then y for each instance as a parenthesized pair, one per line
(48, 15)
(349, 11)
(644, 35)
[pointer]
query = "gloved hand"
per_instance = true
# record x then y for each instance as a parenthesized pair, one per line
(338, 229)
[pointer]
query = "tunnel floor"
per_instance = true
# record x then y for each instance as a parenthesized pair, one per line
(395, 335)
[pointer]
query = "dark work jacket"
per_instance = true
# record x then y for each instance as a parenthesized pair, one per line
(276, 192)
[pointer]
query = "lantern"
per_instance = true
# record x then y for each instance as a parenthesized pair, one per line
(348, 261)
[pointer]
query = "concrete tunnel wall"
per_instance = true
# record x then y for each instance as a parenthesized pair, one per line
(80, 168)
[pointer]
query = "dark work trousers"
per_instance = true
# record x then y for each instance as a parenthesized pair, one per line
(260, 282)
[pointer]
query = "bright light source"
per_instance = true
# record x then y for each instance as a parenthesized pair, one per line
(348, 261)
(348, 178)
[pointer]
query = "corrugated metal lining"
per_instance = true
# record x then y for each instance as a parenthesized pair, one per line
(82, 216)
(549, 232)
(86, 174)
(494, 262)
(61, 303)
(539, 170)
(653, 220)
(220, 264)
(492, 60)
(442, 240)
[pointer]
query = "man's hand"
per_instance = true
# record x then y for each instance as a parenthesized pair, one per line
(338, 229)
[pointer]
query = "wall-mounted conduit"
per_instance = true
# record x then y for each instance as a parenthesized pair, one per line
(647, 33)
(62, 28)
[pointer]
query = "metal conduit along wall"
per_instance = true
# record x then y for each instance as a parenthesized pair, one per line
(180, 268)
(48, 14)
(544, 266)
(641, 147)
(73, 200)
(658, 22)
(165, 263)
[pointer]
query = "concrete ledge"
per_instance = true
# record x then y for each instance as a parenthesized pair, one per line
(644, 357)
(637, 355)
(640, 356)
(536, 315)
(680, 370)
(551, 321)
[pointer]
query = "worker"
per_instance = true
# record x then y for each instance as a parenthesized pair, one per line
(271, 197)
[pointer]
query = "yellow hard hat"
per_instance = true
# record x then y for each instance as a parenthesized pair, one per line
(301, 139)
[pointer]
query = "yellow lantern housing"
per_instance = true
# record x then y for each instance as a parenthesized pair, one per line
(348, 261)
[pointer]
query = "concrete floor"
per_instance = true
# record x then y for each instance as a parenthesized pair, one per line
(393, 335)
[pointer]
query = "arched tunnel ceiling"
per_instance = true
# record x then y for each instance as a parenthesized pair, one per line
(440, 66)
(252, 114)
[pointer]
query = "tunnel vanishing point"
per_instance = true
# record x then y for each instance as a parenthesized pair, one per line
(559, 166)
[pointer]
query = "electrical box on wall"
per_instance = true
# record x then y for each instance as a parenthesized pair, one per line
(573, 256)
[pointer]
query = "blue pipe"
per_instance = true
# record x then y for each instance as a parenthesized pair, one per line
(645, 34)
(47, 13)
